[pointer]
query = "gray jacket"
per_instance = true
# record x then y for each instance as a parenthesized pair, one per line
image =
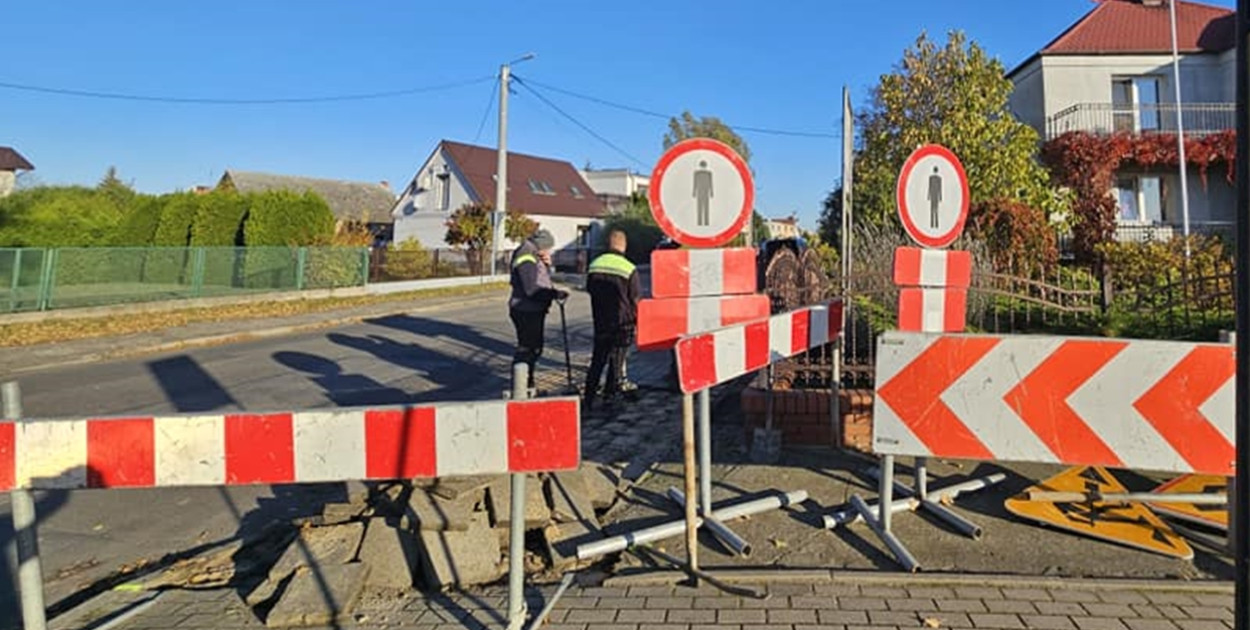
(532, 290)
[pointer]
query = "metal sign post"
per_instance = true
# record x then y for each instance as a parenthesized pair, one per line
(25, 538)
(1241, 498)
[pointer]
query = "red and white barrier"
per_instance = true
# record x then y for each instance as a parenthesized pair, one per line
(293, 447)
(706, 359)
(1140, 405)
(677, 273)
(932, 309)
(662, 322)
(915, 267)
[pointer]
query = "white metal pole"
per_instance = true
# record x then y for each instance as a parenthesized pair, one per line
(1180, 129)
(25, 538)
(501, 169)
(848, 175)
(516, 534)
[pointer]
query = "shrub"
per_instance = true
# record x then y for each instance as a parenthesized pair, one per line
(333, 267)
(138, 227)
(284, 218)
(60, 216)
(219, 220)
(1017, 239)
(409, 260)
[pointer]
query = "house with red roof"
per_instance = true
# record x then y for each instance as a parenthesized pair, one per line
(550, 191)
(1111, 72)
(11, 162)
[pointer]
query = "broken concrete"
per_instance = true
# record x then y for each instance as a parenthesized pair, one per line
(570, 498)
(316, 547)
(339, 513)
(562, 542)
(319, 597)
(537, 512)
(434, 513)
(391, 554)
(453, 487)
(601, 483)
(461, 558)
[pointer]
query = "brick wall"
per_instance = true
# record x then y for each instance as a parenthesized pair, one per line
(803, 417)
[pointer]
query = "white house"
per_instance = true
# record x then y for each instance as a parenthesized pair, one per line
(550, 191)
(787, 227)
(1111, 72)
(10, 163)
(614, 187)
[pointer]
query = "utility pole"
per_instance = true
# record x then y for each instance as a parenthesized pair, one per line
(1180, 129)
(501, 169)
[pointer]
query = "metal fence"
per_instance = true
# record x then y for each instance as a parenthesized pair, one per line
(44, 279)
(1107, 118)
(393, 265)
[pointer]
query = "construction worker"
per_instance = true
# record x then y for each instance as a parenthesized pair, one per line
(613, 285)
(532, 294)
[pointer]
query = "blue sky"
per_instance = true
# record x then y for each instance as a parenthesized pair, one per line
(779, 65)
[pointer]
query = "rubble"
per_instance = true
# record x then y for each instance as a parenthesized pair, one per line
(537, 511)
(562, 542)
(316, 547)
(570, 498)
(453, 487)
(435, 513)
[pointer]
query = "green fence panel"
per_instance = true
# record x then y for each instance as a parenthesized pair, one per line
(39, 279)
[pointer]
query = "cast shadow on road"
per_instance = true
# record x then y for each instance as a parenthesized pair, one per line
(188, 386)
(435, 329)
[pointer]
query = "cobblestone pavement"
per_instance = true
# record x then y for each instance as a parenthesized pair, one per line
(880, 602)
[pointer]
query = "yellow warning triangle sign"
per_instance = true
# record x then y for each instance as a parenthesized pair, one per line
(1209, 515)
(1130, 524)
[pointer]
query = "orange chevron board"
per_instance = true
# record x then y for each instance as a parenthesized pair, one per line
(1209, 515)
(1133, 404)
(1130, 524)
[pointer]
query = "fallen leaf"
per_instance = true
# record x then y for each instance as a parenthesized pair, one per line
(930, 622)
(778, 543)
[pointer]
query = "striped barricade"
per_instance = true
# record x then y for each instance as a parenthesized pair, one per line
(1134, 404)
(369, 443)
(710, 358)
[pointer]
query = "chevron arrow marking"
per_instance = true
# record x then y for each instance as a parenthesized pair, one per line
(1172, 408)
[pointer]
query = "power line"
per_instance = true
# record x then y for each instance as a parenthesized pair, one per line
(490, 106)
(655, 114)
(241, 101)
(579, 123)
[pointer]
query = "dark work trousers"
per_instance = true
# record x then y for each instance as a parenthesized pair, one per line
(610, 352)
(529, 338)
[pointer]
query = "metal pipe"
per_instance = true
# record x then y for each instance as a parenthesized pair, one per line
(922, 478)
(673, 528)
(1180, 132)
(1241, 500)
(886, 490)
(25, 536)
(551, 604)
(1126, 497)
(953, 518)
(728, 537)
(849, 516)
(899, 487)
(705, 451)
(900, 552)
(516, 528)
(692, 519)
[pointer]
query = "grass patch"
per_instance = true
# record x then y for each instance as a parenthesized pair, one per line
(57, 330)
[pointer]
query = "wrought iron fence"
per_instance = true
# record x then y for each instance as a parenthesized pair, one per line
(1107, 118)
(71, 277)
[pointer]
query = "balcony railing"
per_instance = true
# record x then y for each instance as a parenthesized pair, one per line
(1133, 232)
(1106, 118)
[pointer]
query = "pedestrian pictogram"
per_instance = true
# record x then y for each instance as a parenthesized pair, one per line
(932, 196)
(702, 193)
(1130, 524)
(1211, 515)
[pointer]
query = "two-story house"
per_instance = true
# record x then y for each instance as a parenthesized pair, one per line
(616, 186)
(1111, 72)
(549, 191)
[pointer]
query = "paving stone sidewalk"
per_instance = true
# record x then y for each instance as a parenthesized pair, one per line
(842, 605)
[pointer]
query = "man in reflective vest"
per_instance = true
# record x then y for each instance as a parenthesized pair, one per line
(613, 285)
(532, 294)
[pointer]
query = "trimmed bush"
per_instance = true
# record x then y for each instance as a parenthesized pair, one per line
(219, 220)
(283, 218)
(138, 227)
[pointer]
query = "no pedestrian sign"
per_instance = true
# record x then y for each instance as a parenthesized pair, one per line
(933, 196)
(701, 193)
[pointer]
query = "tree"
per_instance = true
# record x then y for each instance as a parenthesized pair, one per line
(830, 227)
(641, 231)
(470, 227)
(704, 127)
(114, 188)
(955, 95)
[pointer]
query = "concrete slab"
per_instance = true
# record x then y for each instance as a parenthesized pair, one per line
(465, 558)
(601, 483)
(562, 542)
(391, 553)
(319, 596)
(453, 487)
(570, 498)
(499, 500)
(434, 513)
(316, 547)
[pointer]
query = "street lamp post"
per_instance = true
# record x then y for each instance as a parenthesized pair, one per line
(1180, 129)
(501, 169)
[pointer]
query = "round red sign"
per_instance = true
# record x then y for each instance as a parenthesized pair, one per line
(932, 196)
(702, 194)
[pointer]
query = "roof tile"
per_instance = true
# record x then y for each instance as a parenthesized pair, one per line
(1129, 26)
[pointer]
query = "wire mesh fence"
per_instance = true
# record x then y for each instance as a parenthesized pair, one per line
(44, 279)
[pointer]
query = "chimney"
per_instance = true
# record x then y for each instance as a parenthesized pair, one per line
(386, 184)
(1153, 3)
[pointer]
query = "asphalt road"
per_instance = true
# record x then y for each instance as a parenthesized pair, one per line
(458, 352)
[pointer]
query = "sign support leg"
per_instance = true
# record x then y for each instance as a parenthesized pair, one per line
(516, 529)
(692, 519)
(25, 539)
